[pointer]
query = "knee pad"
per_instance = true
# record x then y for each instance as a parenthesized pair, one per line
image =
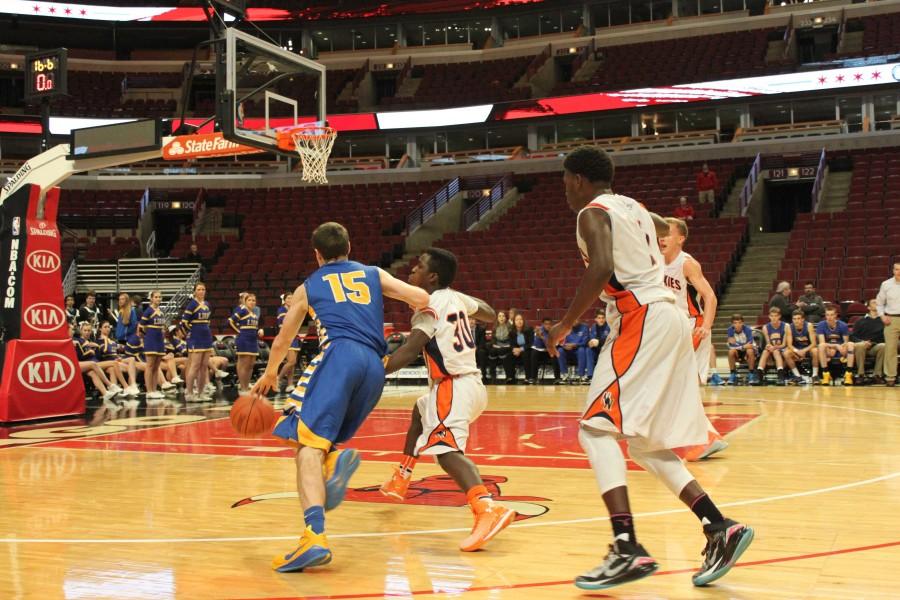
(606, 458)
(663, 464)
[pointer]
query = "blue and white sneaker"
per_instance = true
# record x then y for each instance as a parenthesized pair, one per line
(715, 380)
(625, 562)
(732, 379)
(340, 466)
(725, 543)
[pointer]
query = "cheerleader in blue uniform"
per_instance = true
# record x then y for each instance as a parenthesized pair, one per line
(290, 362)
(176, 354)
(245, 323)
(86, 353)
(151, 328)
(115, 365)
(195, 323)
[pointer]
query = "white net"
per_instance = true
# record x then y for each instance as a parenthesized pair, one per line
(313, 143)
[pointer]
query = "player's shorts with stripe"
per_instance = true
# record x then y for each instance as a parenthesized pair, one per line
(702, 350)
(335, 394)
(447, 410)
(641, 386)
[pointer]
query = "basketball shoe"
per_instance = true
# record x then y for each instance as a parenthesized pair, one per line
(826, 378)
(725, 542)
(396, 487)
(715, 443)
(490, 519)
(626, 561)
(339, 468)
(312, 551)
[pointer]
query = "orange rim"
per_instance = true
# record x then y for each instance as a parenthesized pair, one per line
(284, 137)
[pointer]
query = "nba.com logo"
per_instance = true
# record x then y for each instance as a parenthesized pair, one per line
(16, 226)
(46, 372)
(44, 317)
(42, 261)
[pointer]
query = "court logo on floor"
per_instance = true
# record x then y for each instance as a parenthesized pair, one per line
(437, 490)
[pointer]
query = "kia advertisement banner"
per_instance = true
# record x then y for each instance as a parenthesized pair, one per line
(40, 375)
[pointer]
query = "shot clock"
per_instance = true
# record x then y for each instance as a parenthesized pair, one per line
(45, 74)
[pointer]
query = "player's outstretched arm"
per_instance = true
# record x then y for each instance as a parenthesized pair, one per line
(408, 352)
(662, 227)
(694, 274)
(485, 313)
(400, 290)
(595, 229)
(289, 328)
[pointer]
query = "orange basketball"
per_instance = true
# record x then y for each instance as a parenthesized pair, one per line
(251, 416)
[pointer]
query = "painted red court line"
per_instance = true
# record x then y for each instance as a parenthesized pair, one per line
(486, 588)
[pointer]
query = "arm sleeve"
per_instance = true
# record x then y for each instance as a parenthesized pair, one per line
(425, 320)
(880, 300)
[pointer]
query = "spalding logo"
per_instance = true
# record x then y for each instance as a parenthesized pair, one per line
(43, 261)
(44, 316)
(46, 372)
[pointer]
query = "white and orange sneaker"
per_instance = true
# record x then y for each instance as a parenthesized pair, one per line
(396, 487)
(490, 519)
(715, 443)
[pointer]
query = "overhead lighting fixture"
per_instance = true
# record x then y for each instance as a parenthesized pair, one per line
(573, 50)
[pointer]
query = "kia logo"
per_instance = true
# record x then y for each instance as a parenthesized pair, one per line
(46, 372)
(44, 316)
(43, 261)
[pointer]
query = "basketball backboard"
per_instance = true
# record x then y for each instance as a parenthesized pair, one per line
(264, 88)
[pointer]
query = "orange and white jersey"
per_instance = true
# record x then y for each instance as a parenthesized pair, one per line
(685, 294)
(451, 351)
(637, 277)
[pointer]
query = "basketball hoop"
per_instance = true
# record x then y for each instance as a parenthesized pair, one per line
(313, 144)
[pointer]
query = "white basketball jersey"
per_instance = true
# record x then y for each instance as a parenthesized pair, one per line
(685, 294)
(451, 351)
(638, 264)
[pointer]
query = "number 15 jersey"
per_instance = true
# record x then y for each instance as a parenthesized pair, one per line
(451, 350)
(638, 264)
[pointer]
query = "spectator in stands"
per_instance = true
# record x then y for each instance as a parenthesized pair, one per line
(574, 345)
(684, 210)
(522, 339)
(500, 348)
(812, 304)
(481, 349)
(126, 318)
(707, 184)
(834, 344)
(868, 340)
(71, 311)
(90, 311)
(741, 347)
(539, 355)
(889, 310)
(597, 335)
(194, 254)
(802, 345)
(782, 299)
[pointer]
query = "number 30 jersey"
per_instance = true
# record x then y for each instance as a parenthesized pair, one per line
(346, 302)
(638, 263)
(451, 350)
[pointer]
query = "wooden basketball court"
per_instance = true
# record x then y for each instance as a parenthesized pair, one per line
(169, 503)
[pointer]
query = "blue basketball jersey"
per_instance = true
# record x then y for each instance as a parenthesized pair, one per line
(776, 334)
(346, 302)
(801, 338)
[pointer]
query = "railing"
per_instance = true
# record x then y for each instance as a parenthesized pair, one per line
(150, 246)
(819, 183)
(842, 25)
(172, 307)
(135, 275)
(750, 184)
(416, 218)
(71, 279)
(404, 72)
(490, 199)
(788, 36)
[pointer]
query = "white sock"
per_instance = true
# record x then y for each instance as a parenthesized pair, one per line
(815, 371)
(795, 371)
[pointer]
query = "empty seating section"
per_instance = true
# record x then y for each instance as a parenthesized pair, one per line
(528, 259)
(881, 34)
(300, 88)
(208, 246)
(106, 209)
(274, 253)
(470, 82)
(101, 94)
(684, 60)
(848, 254)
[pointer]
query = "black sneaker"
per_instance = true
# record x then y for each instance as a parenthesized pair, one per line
(725, 542)
(625, 562)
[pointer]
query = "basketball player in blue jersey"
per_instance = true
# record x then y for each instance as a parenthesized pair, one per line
(777, 341)
(341, 385)
(801, 346)
(834, 343)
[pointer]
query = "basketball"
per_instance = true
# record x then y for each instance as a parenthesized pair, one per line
(251, 416)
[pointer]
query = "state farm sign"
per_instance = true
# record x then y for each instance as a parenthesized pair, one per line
(45, 372)
(203, 145)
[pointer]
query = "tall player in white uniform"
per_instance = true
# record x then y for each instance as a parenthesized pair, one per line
(639, 392)
(684, 276)
(441, 418)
